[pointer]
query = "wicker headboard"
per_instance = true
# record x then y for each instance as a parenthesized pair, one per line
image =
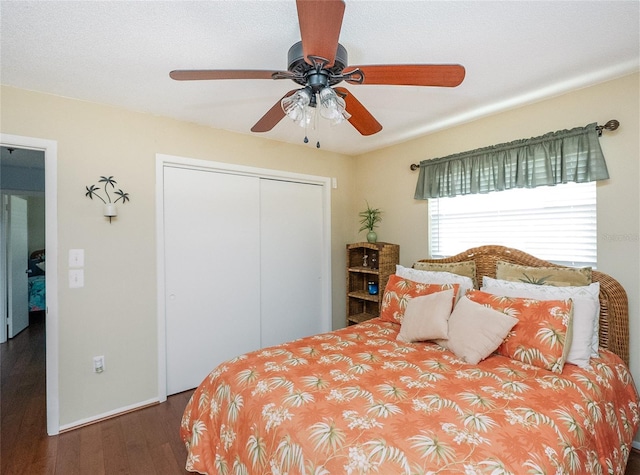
(614, 307)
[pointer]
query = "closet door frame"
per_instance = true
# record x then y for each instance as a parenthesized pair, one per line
(163, 161)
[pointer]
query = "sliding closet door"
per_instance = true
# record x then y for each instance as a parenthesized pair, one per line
(212, 278)
(291, 260)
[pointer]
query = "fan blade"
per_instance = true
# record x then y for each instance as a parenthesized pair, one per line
(320, 24)
(272, 117)
(360, 118)
(201, 74)
(445, 75)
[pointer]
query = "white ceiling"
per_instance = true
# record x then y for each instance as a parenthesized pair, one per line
(120, 53)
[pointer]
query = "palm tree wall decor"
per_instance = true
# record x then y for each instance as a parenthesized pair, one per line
(110, 209)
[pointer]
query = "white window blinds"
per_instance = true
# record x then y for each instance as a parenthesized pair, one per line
(554, 223)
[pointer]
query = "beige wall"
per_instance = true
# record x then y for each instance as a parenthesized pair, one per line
(384, 179)
(115, 313)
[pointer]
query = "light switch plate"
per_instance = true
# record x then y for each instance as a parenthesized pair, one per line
(76, 257)
(76, 278)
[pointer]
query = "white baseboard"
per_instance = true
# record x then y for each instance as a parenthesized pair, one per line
(108, 415)
(636, 444)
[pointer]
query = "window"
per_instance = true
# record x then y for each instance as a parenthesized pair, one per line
(554, 223)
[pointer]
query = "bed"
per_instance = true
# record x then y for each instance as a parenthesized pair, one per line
(358, 400)
(37, 288)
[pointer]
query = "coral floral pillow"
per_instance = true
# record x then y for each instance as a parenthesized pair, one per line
(399, 292)
(539, 336)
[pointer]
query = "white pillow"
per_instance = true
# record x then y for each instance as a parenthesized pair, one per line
(425, 317)
(586, 311)
(476, 331)
(435, 277)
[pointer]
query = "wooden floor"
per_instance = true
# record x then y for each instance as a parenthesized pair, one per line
(633, 466)
(142, 442)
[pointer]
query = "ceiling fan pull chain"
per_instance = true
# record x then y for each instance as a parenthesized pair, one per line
(316, 127)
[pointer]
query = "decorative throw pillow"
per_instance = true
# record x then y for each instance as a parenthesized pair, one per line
(558, 276)
(539, 336)
(436, 277)
(476, 331)
(425, 317)
(399, 292)
(585, 339)
(465, 268)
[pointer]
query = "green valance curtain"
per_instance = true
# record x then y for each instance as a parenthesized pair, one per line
(557, 157)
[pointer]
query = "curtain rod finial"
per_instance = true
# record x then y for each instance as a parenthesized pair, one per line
(414, 167)
(613, 124)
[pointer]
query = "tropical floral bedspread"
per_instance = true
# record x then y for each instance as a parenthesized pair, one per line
(357, 401)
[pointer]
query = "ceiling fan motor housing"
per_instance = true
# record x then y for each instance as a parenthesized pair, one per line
(306, 74)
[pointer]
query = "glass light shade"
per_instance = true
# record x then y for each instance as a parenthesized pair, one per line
(332, 106)
(308, 117)
(295, 106)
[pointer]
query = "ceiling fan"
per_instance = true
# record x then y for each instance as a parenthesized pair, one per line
(318, 63)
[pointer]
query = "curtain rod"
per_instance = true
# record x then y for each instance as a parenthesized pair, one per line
(612, 124)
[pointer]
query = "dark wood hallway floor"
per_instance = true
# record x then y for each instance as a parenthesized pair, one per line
(142, 442)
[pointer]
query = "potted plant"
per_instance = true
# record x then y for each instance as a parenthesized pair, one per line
(370, 218)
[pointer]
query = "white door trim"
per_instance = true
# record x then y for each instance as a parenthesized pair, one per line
(50, 149)
(171, 160)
